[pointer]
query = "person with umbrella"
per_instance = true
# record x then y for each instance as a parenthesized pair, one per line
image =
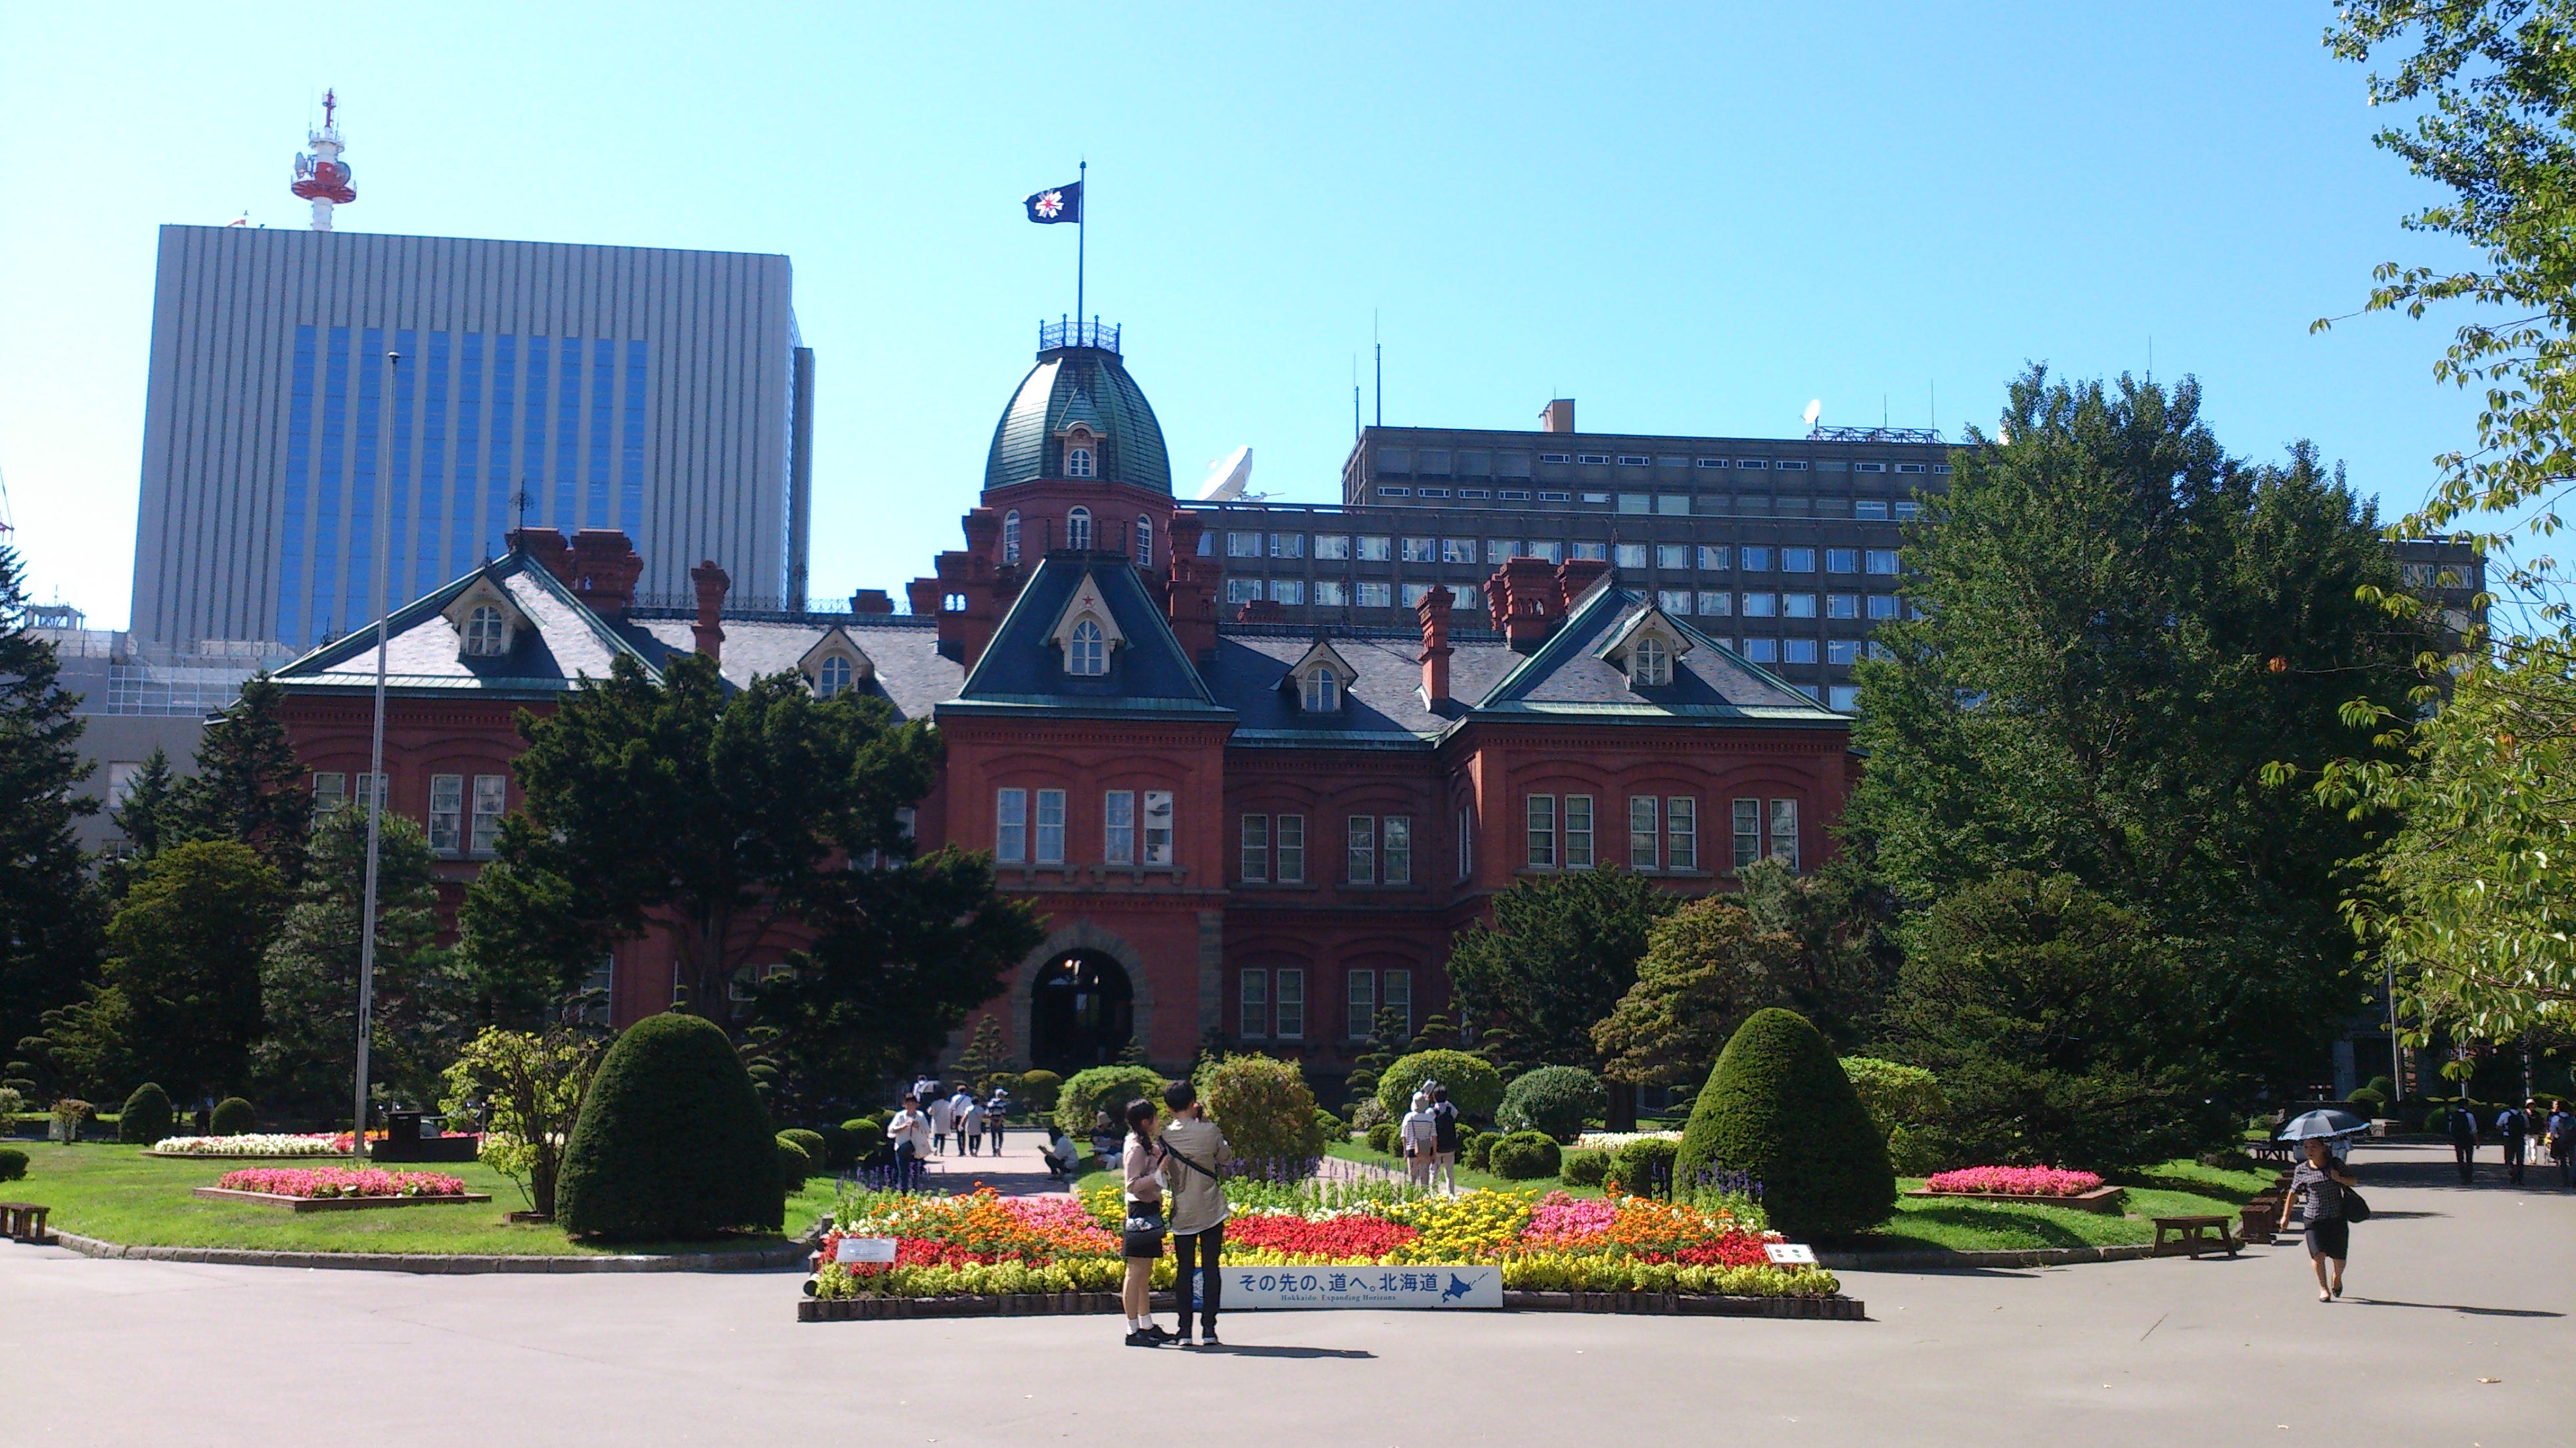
(2316, 1193)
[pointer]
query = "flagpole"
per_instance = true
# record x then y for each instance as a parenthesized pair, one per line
(1080, 236)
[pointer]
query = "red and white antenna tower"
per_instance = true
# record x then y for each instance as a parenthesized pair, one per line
(321, 177)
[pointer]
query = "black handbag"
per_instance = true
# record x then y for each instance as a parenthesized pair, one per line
(2354, 1208)
(1144, 1234)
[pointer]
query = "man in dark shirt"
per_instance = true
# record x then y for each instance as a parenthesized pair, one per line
(2515, 1128)
(1444, 1127)
(2462, 1127)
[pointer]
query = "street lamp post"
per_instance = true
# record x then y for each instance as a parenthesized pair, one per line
(375, 798)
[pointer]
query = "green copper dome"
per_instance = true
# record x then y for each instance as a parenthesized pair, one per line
(1079, 384)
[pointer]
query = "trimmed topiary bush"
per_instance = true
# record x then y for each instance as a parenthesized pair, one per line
(1381, 1137)
(1105, 1088)
(1038, 1093)
(795, 1163)
(1584, 1168)
(672, 1142)
(1632, 1166)
(1779, 1108)
(1328, 1128)
(13, 1163)
(1525, 1156)
(1557, 1100)
(234, 1117)
(1475, 1087)
(1265, 1109)
(1479, 1150)
(812, 1141)
(147, 1116)
(840, 1147)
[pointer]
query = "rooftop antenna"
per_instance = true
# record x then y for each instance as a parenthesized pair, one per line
(1935, 386)
(321, 177)
(1355, 397)
(1381, 367)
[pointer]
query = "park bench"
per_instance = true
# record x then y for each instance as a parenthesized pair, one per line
(24, 1222)
(2192, 1236)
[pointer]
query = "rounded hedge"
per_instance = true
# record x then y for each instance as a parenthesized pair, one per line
(1479, 1150)
(233, 1117)
(1475, 1087)
(1381, 1137)
(1105, 1088)
(815, 1146)
(1557, 1100)
(1632, 1166)
(1584, 1168)
(840, 1148)
(1039, 1091)
(1264, 1107)
(1779, 1108)
(795, 1163)
(672, 1142)
(13, 1163)
(1525, 1156)
(147, 1116)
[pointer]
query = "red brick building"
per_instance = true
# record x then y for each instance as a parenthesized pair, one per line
(1240, 829)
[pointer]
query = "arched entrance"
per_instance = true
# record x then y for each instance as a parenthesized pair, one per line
(1081, 1012)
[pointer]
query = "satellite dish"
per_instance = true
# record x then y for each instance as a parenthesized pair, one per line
(1815, 409)
(1227, 476)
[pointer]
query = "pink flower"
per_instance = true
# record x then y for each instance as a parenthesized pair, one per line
(341, 1181)
(2015, 1181)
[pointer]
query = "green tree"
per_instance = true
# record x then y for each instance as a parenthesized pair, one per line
(249, 786)
(1707, 967)
(1840, 921)
(147, 817)
(179, 997)
(49, 911)
(530, 1086)
(2122, 630)
(309, 976)
(1556, 957)
(2062, 1028)
(1778, 1108)
(1265, 1108)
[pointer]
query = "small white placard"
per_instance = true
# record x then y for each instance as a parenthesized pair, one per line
(864, 1249)
(1434, 1287)
(1790, 1254)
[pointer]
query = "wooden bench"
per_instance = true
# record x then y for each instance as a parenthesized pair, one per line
(2275, 1153)
(2192, 1236)
(24, 1222)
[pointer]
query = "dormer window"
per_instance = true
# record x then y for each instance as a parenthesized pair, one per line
(835, 665)
(1011, 536)
(1087, 653)
(1077, 462)
(1322, 691)
(1144, 541)
(1650, 663)
(833, 678)
(1077, 529)
(485, 632)
(1645, 648)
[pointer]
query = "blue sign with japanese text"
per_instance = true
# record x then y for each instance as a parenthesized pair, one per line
(1317, 1287)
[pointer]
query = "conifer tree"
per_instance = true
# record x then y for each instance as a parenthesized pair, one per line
(249, 786)
(49, 911)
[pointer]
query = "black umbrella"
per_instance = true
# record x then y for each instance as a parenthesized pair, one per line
(2322, 1123)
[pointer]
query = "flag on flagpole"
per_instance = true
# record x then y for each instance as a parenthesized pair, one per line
(1055, 204)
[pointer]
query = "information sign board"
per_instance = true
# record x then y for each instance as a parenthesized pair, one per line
(1791, 1254)
(864, 1249)
(1432, 1287)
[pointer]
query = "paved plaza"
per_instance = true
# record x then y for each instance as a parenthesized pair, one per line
(2449, 1288)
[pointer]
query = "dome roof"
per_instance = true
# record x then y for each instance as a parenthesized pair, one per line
(1086, 385)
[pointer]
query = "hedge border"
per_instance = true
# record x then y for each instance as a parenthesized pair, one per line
(1946, 1260)
(1050, 1304)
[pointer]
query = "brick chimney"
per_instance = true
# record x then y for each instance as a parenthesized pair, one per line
(1557, 416)
(547, 547)
(1261, 610)
(1576, 575)
(871, 600)
(1434, 613)
(1189, 592)
(712, 583)
(604, 570)
(1526, 601)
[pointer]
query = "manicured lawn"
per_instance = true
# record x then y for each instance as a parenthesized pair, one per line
(116, 1193)
(2181, 1188)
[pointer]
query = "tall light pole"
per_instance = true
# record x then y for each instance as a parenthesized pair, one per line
(375, 788)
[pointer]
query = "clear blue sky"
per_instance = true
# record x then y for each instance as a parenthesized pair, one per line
(1688, 220)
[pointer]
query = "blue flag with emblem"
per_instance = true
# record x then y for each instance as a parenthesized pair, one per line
(1055, 204)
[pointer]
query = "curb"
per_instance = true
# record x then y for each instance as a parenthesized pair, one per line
(1939, 1261)
(460, 1264)
(1050, 1304)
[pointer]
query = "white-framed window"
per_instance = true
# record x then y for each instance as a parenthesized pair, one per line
(1088, 653)
(1287, 545)
(1869, 508)
(1375, 549)
(1501, 550)
(1011, 826)
(1797, 651)
(1050, 840)
(1252, 999)
(1542, 832)
(1681, 832)
(446, 813)
(1414, 593)
(1748, 833)
(1376, 595)
(1673, 600)
(491, 799)
(1420, 550)
(1118, 827)
(1242, 590)
(1288, 590)
(1011, 536)
(1546, 552)
(1395, 993)
(1292, 849)
(1842, 605)
(1242, 545)
(1797, 560)
(1077, 528)
(1842, 651)
(483, 630)
(1457, 550)
(1578, 832)
(1321, 692)
(1762, 651)
(1650, 662)
(1256, 848)
(1332, 593)
(1466, 842)
(1797, 605)
(1716, 603)
(1753, 559)
(1784, 832)
(1359, 1004)
(1843, 698)
(1630, 555)
(1158, 828)
(1360, 867)
(1144, 541)
(1761, 605)
(1842, 560)
(1880, 561)
(1395, 844)
(330, 790)
(1333, 545)
(1882, 605)
(832, 677)
(1908, 510)
(1713, 557)
(1643, 850)
(1077, 463)
(1288, 1020)
(1672, 555)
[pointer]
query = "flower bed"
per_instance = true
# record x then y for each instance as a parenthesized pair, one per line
(341, 1181)
(990, 1245)
(2014, 1181)
(252, 1145)
(1613, 1140)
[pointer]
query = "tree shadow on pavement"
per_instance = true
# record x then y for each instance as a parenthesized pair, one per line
(2456, 1307)
(1235, 1350)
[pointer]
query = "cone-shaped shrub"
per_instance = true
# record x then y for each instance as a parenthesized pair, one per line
(1779, 1108)
(146, 1118)
(672, 1142)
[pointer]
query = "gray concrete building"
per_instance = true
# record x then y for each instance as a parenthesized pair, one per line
(137, 697)
(298, 377)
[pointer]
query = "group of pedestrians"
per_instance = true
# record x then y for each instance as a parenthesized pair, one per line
(918, 1132)
(2523, 1130)
(1173, 1187)
(1429, 1136)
